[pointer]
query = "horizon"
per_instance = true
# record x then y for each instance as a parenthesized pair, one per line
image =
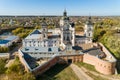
(56, 7)
(58, 15)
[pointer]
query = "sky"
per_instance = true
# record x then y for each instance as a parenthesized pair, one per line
(56, 7)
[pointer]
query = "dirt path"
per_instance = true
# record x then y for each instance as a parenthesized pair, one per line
(80, 73)
(109, 77)
(9, 63)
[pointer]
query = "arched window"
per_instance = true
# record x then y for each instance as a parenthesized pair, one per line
(44, 35)
(67, 38)
(89, 34)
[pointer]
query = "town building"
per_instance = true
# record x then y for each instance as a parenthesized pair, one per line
(8, 41)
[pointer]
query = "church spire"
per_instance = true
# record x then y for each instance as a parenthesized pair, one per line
(89, 18)
(65, 13)
(89, 22)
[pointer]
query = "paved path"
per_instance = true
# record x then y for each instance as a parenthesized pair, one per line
(80, 73)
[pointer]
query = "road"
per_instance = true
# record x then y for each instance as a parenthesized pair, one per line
(80, 73)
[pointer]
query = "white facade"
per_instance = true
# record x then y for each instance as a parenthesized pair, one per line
(38, 43)
(35, 39)
(88, 31)
(67, 30)
(59, 36)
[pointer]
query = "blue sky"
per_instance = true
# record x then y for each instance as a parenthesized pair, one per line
(56, 7)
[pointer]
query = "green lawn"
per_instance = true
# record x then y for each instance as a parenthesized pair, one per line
(87, 66)
(91, 68)
(2, 66)
(96, 77)
(59, 72)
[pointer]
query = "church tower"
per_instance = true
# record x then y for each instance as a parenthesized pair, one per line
(44, 29)
(67, 30)
(88, 30)
(64, 18)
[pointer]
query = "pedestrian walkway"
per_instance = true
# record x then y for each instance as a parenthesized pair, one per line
(80, 73)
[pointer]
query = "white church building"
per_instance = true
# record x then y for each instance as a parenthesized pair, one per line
(47, 40)
(46, 47)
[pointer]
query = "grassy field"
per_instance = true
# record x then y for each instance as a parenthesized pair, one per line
(90, 68)
(59, 72)
(87, 66)
(96, 77)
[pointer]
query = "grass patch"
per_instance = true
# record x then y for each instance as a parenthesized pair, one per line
(90, 68)
(59, 72)
(87, 66)
(2, 66)
(96, 77)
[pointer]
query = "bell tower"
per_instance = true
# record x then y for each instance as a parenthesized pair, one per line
(64, 19)
(67, 30)
(65, 13)
(44, 29)
(88, 31)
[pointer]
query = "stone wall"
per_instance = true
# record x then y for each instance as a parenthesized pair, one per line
(89, 59)
(74, 58)
(5, 55)
(42, 68)
(105, 67)
(109, 56)
(23, 61)
(102, 66)
(58, 59)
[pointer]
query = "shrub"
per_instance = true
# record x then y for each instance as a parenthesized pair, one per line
(2, 66)
(4, 49)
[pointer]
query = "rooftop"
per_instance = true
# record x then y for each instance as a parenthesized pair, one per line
(33, 36)
(11, 38)
(93, 51)
(40, 49)
(36, 32)
(4, 41)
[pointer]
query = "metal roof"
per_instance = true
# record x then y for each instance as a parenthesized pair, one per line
(93, 51)
(11, 38)
(4, 41)
(40, 49)
(36, 32)
(33, 36)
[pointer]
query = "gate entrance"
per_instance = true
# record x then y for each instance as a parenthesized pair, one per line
(69, 61)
